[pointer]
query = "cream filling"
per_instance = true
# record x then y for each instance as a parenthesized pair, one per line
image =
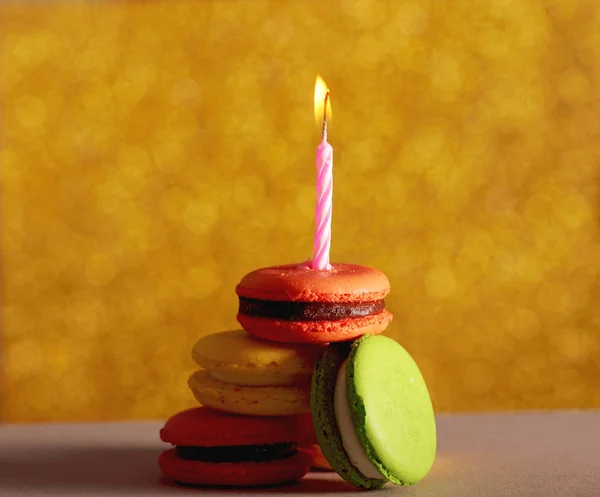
(352, 444)
(254, 379)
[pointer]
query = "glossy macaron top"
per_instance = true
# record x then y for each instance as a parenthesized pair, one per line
(300, 283)
(239, 352)
(204, 427)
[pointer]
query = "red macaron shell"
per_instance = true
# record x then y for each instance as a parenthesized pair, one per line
(238, 474)
(314, 331)
(300, 283)
(205, 427)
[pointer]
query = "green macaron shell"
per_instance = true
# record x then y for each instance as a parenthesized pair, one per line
(391, 409)
(323, 415)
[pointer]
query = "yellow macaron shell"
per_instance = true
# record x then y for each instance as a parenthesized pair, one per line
(247, 375)
(249, 400)
(238, 357)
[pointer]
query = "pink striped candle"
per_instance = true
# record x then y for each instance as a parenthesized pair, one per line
(322, 241)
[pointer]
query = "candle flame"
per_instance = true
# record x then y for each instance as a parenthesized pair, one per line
(321, 91)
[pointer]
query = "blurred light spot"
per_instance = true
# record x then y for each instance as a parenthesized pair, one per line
(446, 77)
(440, 282)
(168, 156)
(411, 19)
(369, 50)
(100, 269)
(24, 357)
(557, 298)
(186, 93)
(573, 210)
(97, 98)
(202, 281)
(133, 80)
(134, 162)
(562, 9)
(524, 324)
(478, 378)
(174, 202)
(248, 190)
(573, 86)
(305, 201)
(366, 13)
(84, 316)
(568, 345)
(199, 216)
(30, 111)
(183, 124)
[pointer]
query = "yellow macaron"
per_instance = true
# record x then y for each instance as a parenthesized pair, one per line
(247, 375)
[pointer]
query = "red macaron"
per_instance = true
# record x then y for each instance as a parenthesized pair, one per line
(218, 449)
(296, 304)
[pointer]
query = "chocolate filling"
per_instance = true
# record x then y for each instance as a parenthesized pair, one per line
(309, 311)
(237, 453)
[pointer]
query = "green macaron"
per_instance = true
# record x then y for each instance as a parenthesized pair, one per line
(372, 413)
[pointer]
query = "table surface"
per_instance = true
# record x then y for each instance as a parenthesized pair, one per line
(479, 455)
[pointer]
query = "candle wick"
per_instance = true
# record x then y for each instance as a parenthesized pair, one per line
(325, 100)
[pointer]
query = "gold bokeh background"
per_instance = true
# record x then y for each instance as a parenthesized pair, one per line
(152, 153)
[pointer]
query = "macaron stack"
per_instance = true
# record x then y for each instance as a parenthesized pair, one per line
(255, 414)
(310, 351)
